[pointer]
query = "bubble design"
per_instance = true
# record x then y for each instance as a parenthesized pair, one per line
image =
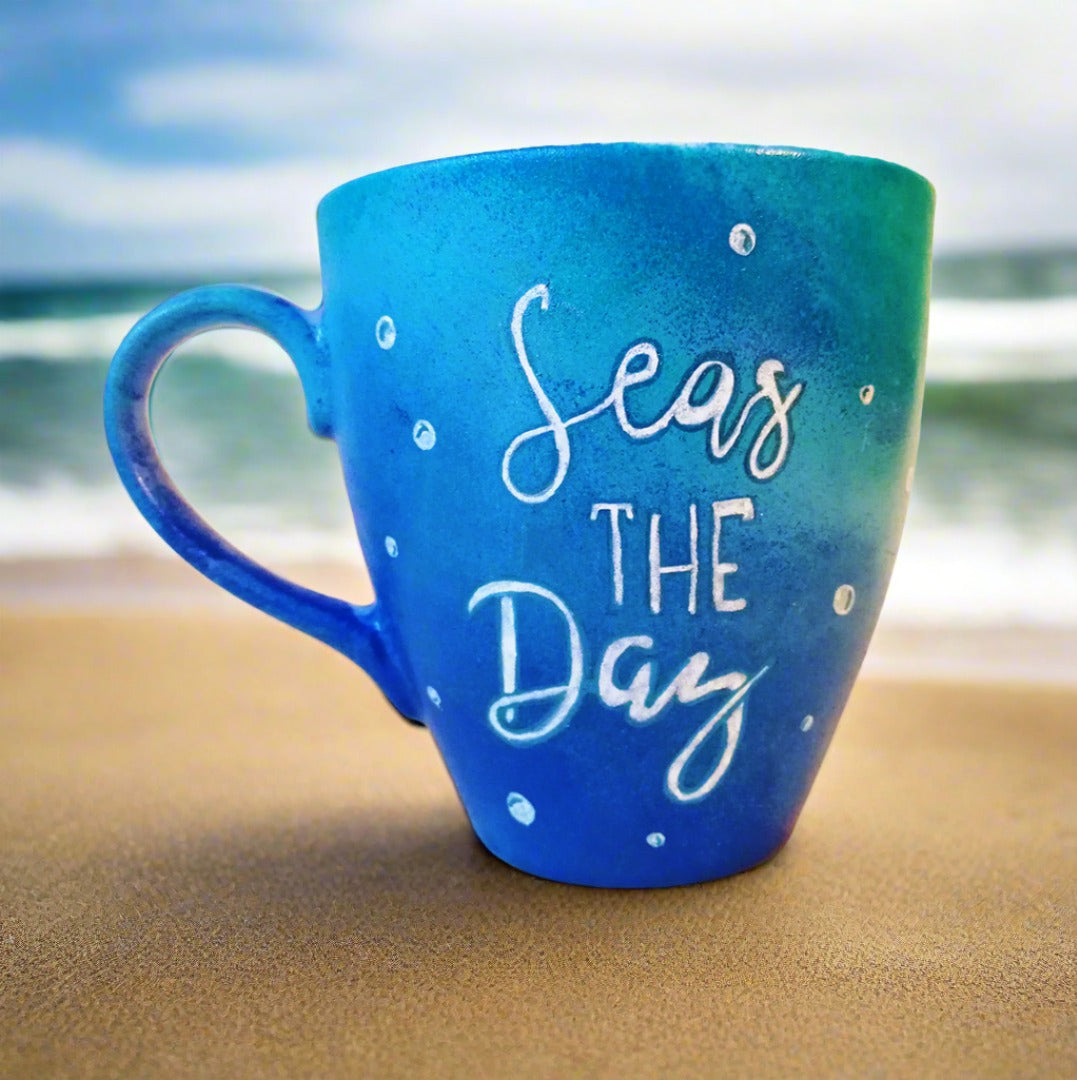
(391, 547)
(520, 808)
(656, 839)
(742, 239)
(867, 393)
(434, 696)
(844, 598)
(385, 332)
(807, 723)
(424, 435)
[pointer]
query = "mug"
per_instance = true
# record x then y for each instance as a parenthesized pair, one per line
(628, 431)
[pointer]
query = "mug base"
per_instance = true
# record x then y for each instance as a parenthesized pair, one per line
(633, 877)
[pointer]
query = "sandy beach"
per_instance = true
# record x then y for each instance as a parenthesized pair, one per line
(221, 853)
(704, 400)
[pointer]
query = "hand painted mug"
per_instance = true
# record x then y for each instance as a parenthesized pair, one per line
(628, 431)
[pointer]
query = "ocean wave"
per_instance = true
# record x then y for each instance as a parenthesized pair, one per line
(968, 340)
(97, 337)
(967, 573)
(946, 573)
(1002, 340)
(61, 518)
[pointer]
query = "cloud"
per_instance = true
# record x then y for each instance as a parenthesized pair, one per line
(246, 96)
(220, 215)
(87, 189)
(977, 96)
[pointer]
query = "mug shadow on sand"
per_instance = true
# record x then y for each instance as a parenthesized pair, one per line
(355, 939)
(386, 893)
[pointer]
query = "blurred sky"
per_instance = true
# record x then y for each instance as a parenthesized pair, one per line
(193, 136)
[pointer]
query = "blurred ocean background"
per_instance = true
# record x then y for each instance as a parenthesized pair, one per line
(992, 532)
(144, 148)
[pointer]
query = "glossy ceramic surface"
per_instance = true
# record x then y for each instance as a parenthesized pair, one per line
(628, 432)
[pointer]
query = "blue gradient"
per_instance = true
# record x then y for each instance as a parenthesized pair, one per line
(633, 244)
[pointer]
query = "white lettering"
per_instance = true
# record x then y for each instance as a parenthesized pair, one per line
(721, 570)
(654, 555)
(682, 411)
(644, 704)
(731, 716)
(508, 651)
(503, 712)
(686, 687)
(614, 510)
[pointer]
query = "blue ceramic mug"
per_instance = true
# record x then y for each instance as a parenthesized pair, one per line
(628, 431)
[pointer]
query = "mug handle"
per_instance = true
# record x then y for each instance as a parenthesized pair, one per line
(357, 631)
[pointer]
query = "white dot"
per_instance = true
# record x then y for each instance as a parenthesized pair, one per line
(434, 696)
(656, 839)
(742, 239)
(391, 548)
(424, 435)
(520, 808)
(806, 723)
(867, 393)
(909, 474)
(385, 332)
(844, 598)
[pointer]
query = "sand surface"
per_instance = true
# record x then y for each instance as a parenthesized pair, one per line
(221, 854)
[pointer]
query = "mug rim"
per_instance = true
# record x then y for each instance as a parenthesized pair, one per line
(795, 153)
